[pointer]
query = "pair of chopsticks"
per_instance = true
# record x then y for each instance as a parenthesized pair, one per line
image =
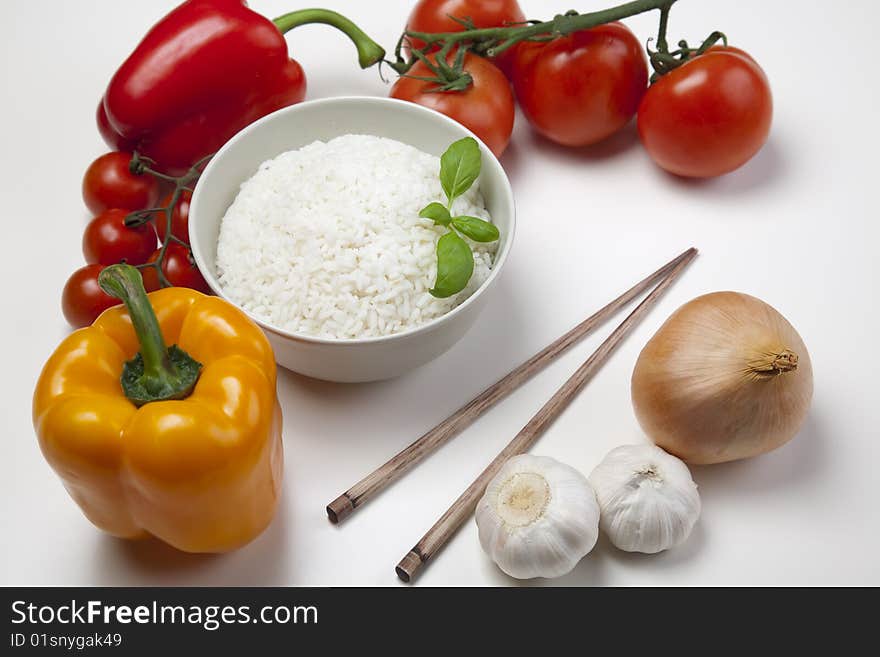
(464, 506)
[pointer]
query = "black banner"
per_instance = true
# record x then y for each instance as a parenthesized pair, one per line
(138, 620)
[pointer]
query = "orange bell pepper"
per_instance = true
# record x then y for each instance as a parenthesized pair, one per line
(181, 443)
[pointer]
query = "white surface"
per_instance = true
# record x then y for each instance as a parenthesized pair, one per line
(796, 227)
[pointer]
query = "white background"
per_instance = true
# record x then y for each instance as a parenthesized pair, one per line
(797, 227)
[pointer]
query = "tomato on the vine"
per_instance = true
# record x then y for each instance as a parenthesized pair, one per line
(108, 184)
(486, 107)
(439, 16)
(581, 88)
(83, 299)
(179, 217)
(179, 268)
(107, 240)
(709, 116)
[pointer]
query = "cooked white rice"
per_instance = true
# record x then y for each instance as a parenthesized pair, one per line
(326, 240)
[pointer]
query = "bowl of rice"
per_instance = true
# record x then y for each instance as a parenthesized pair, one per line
(308, 220)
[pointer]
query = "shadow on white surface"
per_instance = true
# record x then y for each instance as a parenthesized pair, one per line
(588, 572)
(766, 170)
(335, 403)
(594, 568)
(797, 463)
(616, 145)
(263, 562)
(330, 396)
(498, 340)
(148, 561)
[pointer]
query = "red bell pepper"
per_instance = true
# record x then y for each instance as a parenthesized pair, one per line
(204, 72)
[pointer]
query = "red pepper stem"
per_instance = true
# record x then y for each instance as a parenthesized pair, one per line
(157, 372)
(369, 52)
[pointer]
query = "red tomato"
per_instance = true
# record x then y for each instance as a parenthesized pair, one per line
(486, 107)
(107, 240)
(109, 184)
(83, 299)
(709, 116)
(179, 218)
(579, 89)
(436, 16)
(178, 267)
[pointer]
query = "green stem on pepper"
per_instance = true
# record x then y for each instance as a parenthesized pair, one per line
(369, 52)
(157, 372)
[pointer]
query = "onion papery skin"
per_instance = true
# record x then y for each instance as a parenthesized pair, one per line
(726, 377)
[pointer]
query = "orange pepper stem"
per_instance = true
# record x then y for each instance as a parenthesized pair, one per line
(157, 372)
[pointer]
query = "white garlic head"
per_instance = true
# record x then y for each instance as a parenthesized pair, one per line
(647, 498)
(538, 517)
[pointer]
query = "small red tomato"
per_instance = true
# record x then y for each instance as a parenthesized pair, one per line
(486, 107)
(107, 240)
(179, 217)
(178, 267)
(709, 116)
(579, 89)
(83, 299)
(109, 184)
(439, 16)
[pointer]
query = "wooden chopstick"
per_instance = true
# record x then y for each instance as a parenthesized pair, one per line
(403, 461)
(464, 506)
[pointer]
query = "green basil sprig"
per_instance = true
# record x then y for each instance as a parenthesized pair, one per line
(459, 169)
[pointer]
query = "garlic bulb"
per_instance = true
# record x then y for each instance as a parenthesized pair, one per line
(726, 377)
(647, 498)
(538, 517)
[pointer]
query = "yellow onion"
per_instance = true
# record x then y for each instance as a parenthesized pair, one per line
(726, 377)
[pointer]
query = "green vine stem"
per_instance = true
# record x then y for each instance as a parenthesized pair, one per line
(663, 61)
(369, 52)
(156, 373)
(141, 165)
(662, 45)
(495, 40)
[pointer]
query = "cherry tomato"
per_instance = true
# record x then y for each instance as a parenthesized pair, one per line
(107, 240)
(436, 16)
(178, 267)
(709, 116)
(83, 299)
(579, 89)
(109, 184)
(486, 107)
(179, 218)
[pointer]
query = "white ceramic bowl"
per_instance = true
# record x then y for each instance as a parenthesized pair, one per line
(367, 359)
